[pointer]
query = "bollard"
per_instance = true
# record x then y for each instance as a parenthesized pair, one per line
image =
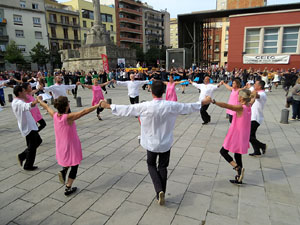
(284, 116)
(52, 101)
(10, 97)
(78, 101)
(108, 101)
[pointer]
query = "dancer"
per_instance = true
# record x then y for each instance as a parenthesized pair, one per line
(171, 92)
(234, 96)
(35, 112)
(157, 125)
(27, 126)
(296, 100)
(206, 89)
(257, 117)
(133, 88)
(97, 94)
(237, 138)
(68, 146)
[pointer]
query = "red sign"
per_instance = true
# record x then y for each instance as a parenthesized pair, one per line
(105, 63)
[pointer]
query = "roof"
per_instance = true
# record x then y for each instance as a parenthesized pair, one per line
(218, 14)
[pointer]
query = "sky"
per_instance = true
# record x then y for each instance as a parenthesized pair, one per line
(175, 7)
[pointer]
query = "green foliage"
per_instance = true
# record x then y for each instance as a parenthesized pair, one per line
(140, 56)
(13, 54)
(40, 54)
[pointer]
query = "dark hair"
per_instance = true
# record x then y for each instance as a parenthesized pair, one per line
(61, 104)
(24, 79)
(262, 84)
(17, 90)
(237, 81)
(158, 88)
(25, 85)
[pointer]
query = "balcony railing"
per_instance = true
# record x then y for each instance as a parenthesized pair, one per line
(132, 2)
(65, 23)
(130, 30)
(155, 27)
(131, 11)
(139, 22)
(4, 38)
(128, 39)
(154, 18)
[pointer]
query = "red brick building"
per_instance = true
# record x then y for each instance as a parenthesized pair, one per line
(268, 39)
(239, 4)
(129, 20)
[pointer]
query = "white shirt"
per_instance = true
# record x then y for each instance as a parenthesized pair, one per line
(157, 120)
(133, 86)
(206, 90)
(25, 120)
(59, 90)
(257, 109)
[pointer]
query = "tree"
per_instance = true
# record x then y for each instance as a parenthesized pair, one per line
(13, 54)
(140, 56)
(40, 54)
(152, 55)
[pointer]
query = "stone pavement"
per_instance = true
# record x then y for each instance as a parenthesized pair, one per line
(115, 187)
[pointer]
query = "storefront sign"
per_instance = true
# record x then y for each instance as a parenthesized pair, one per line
(266, 59)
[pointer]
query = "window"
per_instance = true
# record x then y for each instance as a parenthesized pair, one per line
(112, 38)
(270, 40)
(111, 28)
(67, 46)
(76, 34)
(107, 18)
(64, 19)
(74, 21)
(87, 14)
(36, 21)
(84, 36)
(53, 32)
(252, 41)
(22, 4)
(290, 39)
(84, 23)
(35, 6)
(66, 33)
(38, 35)
(2, 48)
(19, 33)
(22, 48)
(53, 18)
(18, 19)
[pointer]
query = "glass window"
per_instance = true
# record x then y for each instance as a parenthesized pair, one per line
(111, 28)
(87, 14)
(290, 39)
(66, 33)
(84, 23)
(18, 19)
(270, 40)
(36, 21)
(22, 4)
(53, 32)
(252, 41)
(53, 18)
(22, 48)
(76, 34)
(19, 33)
(35, 6)
(38, 35)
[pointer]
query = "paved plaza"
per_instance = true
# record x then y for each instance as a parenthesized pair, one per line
(114, 184)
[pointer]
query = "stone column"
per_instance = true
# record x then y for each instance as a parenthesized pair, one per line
(97, 15)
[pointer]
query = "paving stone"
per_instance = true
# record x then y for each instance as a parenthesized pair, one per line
(194, 206)
(91, 218)
(201, 185)
(143, 194)
(92, 173)
(179, 220)
(39, 212)
(12, 181)
(35, 181)
(129, 213)
(206, 169)
(103, 183)
(10, 196)
(182, 174)
(58, 219)
(251, 214)
(129, 182)
(215, 219)
(175, 191)
(224, 204)
(189, 161)
(284, 214)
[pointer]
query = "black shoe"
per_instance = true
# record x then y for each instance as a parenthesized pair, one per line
(106, 92)
(255, 154)
(264, 149)
(241, 172)
(20, 160)
(31, 168)
(236, 181)
(204, 123)
(62, 176)
(70, 190)
(182, 92)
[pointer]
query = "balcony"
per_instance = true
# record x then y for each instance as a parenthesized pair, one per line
(217, 40)
(4, 38)
(132, 40)
(154, 19)
(132, 21)
(3, 21)
(131, 11)
(131, 30)
(64, 23)
(132, 2)
(217, 50)
(154, 27)
(154, 35)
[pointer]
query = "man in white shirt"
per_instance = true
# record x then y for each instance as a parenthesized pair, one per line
(133, 88)
(206, 89)
(157, 124)
(257, 117)
(27, 126)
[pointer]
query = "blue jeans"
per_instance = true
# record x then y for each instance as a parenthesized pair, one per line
(296, 109)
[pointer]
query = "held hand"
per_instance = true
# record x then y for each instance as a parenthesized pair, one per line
(190, 81)
(207, 100)
(39, 98)
(78, 83)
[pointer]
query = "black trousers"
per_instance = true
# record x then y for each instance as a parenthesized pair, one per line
(256, 144)
(158, 174)
(99, 109)
(204, 115)
(74, 91)
(229, 159)
(33, 141)
(134, 100)
(42, 123)
(73, 172)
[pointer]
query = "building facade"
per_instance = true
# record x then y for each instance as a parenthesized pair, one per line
(239, 4)
(4, 38)
(25, 24)
(156, 28)
(86, 17)
(173, 33)
(129, 18)
(270, 39)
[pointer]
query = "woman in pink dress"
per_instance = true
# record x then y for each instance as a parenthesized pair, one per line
(234, 96)
(97, 94)
(68, 146)
(238, 136)
(171, 91)
(35, 112)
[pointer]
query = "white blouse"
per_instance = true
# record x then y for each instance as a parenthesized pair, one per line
(133, 86)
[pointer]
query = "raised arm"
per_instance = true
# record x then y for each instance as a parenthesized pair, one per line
(227, 86)
(77, 115)
(104, 84)
(45, 106)
(87, 86)
(236, 108)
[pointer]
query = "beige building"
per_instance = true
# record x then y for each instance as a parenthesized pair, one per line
(173, 33)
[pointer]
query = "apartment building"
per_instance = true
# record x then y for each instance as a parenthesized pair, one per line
(3, 38)
(173, 33)
(25, 23)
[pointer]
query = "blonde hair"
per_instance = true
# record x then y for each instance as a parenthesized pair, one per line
(245, 94)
